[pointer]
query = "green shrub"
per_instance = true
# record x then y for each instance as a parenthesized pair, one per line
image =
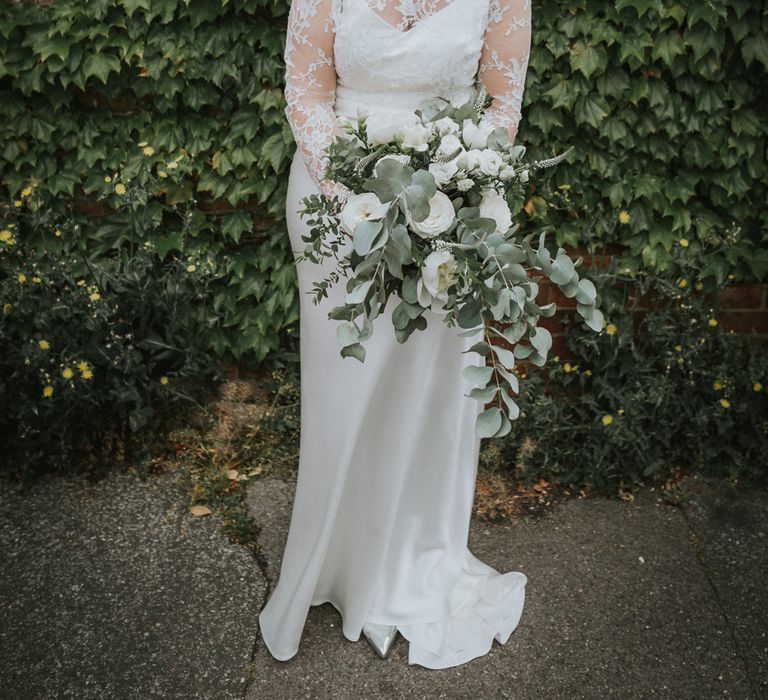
(655, 391)
(102, 338)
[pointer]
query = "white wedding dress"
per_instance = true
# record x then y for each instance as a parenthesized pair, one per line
(388, 455)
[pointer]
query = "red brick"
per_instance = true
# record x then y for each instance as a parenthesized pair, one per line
(560, 299)
(743, 296)
(745, 321)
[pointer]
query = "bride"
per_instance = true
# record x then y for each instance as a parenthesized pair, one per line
(388, 456)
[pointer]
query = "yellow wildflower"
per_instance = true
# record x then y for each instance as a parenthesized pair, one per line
(725, 403)
(43, 344)
(67, 373)
(679, 348)
(684, 242)
(682, 282)
(190, 268)
(699, 285)
(48, 391)
(148, 150)
(26, 192)
(712, 322)
(17, 202)
(607, 419)
(556, 358)
(82, 365)
(86, 374)
(588, 372)
(620, 411)
(94, 296)
(610, 329)
(624, 216)
(5, 235)
(80, 283)
(164, 379)
(172, 165)
(21, 277)
(162, 173)
(716, 385)
(57, 232)
(107, 178)
(7, 308)
(120, 188)
(36, 279)
(757, 386)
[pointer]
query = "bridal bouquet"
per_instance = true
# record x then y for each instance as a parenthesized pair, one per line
(430, 220)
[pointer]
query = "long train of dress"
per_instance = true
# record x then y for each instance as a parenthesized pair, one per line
(386, 480)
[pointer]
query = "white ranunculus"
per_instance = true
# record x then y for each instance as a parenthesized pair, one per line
(443, 172)
(490, 161)
(494, 206)
(381, 126)
(449, 144)
(524, 176)
(441, 215)
(438, 272)
(506, 173)
(465, 184)
(403, 158)
(416, 136)
(476, 135)
(469, 160)
(361, 207)
(445, 126)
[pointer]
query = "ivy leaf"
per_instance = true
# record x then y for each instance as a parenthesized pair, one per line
(587, 58)
(100, 65)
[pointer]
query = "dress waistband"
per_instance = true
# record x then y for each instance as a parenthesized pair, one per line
(349, 100)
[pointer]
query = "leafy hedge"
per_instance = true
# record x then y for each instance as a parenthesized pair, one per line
(663, 102)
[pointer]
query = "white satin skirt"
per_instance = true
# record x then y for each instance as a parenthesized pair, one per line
(385, 487)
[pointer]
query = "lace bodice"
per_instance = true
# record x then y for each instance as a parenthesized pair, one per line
(391, 54)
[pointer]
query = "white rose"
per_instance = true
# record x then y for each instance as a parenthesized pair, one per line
(524, 176)
(415, 136)
(469, 160)
(490, 161)
(445, 126)
(448, 144)
(476, 135)
(441, 215)
(361, 207)
(399, 157)
(443, 172)
(438, 272)
(494, 206)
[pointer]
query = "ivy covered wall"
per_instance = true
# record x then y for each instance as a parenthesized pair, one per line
(665, 103)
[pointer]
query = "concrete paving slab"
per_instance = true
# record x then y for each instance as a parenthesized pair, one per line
(731, 528)
(618, 605)
(111, 590)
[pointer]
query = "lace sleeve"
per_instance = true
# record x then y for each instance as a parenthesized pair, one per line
(504, 60)
(310, 86)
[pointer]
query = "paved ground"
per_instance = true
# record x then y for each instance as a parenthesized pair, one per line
(113, 591)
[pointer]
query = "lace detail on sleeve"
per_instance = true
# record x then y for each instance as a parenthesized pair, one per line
(504, 60)
(310, 85)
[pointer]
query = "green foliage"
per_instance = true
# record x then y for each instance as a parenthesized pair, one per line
(665, 104)
(653, 393)
(84, 83)
(103, 338)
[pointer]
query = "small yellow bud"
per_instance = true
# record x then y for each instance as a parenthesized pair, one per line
(610, 329)
(757, 386)
(725, 403)
(43, 344)
(712, 322)
(190, 268)
(164, 379)
(107, 178)
(607, 419)
(682, 282)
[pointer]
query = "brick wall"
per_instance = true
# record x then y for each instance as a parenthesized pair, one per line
(744, 307)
